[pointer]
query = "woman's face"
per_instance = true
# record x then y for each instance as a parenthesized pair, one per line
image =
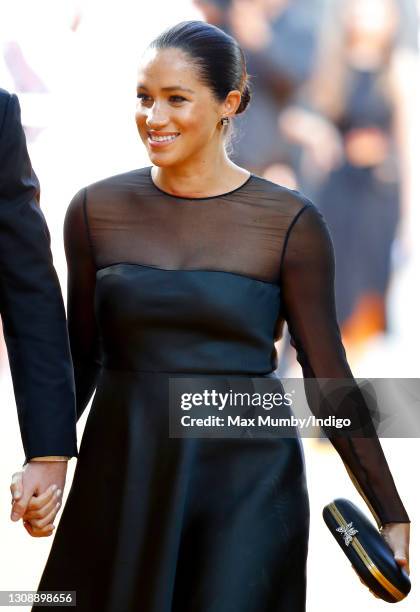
(174, 104)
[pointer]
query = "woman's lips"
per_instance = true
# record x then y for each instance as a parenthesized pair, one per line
(158, 144)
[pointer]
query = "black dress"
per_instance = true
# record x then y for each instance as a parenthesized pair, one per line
(161, 285)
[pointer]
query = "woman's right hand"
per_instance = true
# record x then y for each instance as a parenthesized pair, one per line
(40, 514)
(36, 496)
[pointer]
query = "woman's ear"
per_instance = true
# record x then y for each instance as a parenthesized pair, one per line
(232, 102)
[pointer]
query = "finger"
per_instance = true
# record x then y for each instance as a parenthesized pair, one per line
(19, 506)
(363, 582)
(38, 533)
(403, 562)
(38, 505)
(400, 554)
(40, 523)
(16, 487)
(43, 511)
(38, 501)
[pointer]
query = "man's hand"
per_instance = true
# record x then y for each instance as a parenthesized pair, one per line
(36, 492)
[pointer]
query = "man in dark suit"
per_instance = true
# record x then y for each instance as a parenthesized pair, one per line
(34, 324)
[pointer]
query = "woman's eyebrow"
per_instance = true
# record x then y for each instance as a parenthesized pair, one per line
(169, 88)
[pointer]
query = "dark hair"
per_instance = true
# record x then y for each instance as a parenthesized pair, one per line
(217, 56)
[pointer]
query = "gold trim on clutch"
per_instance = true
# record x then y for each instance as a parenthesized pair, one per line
(373, 569)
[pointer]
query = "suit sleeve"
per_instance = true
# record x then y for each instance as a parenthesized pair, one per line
(31, 304)
(307, 277)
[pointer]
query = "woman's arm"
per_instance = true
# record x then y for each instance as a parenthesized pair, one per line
(307, 280)
(81, 282)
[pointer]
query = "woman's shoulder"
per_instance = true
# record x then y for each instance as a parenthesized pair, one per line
(291, 211)
(104, 199)
(280, 198)
(107, 192)
(131, 180)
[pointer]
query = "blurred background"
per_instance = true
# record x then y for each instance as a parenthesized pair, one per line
(334, 114)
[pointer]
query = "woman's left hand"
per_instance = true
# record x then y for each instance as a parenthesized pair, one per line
(397, 536)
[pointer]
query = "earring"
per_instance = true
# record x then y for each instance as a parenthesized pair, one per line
(224, 120)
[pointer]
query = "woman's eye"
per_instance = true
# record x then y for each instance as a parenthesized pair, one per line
(145, 98)
(141, 96)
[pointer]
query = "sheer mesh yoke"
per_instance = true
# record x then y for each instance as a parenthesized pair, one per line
(260, 231)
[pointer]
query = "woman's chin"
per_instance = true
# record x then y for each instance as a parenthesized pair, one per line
(157, 160)
(161, 160)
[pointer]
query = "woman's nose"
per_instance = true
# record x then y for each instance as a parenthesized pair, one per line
(156, 118)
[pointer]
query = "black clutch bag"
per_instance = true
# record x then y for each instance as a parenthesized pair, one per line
(366, 550)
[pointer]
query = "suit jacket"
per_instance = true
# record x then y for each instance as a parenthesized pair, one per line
(31, 304)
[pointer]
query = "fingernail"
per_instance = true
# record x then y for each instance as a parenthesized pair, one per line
(16, 494)
(15, 516)
(58, 492)
(53, 488)
(57, 505)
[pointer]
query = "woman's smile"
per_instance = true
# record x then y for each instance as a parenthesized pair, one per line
(158, 140)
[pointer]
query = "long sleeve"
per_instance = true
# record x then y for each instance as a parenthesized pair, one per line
(307, 280)
(31, 303)
(81, 282)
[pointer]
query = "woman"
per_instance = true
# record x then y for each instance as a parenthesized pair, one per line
(189, 267)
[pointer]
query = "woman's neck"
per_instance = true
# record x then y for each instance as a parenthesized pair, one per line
(199, 180)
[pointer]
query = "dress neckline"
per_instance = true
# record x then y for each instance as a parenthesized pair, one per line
(220, 195)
